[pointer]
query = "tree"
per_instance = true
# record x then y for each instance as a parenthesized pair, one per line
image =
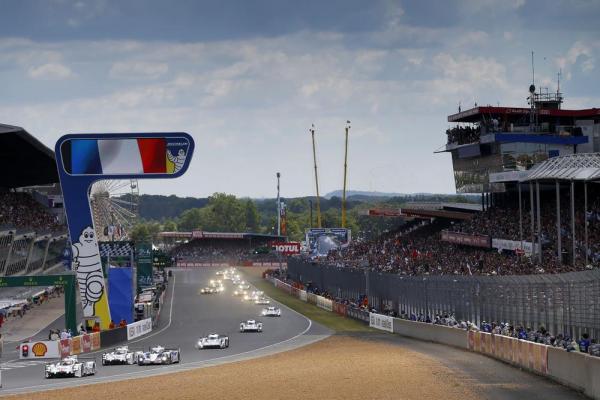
(190, 219)
(169, 226)
(252, 217)
(140, 233)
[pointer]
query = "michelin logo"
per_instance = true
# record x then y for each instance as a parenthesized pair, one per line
(178, 160)
(86, 263)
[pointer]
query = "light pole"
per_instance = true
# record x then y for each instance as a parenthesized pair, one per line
(278, 207)
(312, 131)
(345, 175)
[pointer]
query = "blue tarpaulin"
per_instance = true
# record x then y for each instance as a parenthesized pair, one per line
(120, 294)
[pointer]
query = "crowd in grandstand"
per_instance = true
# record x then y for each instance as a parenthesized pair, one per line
(229, 251)
(417, 248)
(463, 134)
(20, 210)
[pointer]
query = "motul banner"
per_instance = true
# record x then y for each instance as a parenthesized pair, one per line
(466, 239)
(287, 248)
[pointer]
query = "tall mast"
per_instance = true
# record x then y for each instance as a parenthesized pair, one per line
(345, 175)
(312, 131)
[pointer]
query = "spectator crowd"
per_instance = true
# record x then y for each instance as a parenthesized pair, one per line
(21, 211)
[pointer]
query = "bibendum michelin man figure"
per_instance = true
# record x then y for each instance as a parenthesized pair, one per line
(178, 160)
(87, 264)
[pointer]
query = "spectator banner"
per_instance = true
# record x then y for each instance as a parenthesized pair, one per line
(339, 308)
(65, 347)
(324, 303)
(139, 328)
(76, 345)
(303, 295)
(83, 159)
(95, 339)
(40, 350)
(514, 245)
(522, 353)
(287, 248)
(466, 239)
(382, 322)
(311, 298)
(320, 241)
(120, 293)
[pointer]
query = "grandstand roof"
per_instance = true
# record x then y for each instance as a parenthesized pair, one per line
(218, 235)
(579, 167)
(25, 160)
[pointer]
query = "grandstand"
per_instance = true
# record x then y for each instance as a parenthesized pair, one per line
(33, 236)
(219, 247)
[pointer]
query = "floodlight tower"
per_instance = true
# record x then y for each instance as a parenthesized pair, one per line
(345, 175)
(312, 132)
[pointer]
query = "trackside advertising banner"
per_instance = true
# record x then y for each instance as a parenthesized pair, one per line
(383, 322)
(39, 350)
(287, 248)
(139, 328)
(514, 245)
(324, 303)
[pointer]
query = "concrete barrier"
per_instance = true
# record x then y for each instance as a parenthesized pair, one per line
(432, 333)
(577, 370)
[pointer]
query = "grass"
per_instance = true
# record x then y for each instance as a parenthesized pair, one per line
(331, 320)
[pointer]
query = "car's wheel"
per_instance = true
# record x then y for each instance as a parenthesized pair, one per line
(104, 362)
(47, 375)
(79, 372)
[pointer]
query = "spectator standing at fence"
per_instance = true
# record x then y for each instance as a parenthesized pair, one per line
(111, 325)
(584, 343)
(123, 323)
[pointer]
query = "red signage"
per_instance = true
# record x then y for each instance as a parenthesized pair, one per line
(287, 248)
(466, 239)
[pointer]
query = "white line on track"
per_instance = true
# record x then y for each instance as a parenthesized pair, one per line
(165, 369)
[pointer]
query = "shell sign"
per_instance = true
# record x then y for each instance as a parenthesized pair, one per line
(39, 349)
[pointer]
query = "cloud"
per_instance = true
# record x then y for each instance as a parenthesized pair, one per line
(50, 71)
(138, 70)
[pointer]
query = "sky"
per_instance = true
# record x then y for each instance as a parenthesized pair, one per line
(248, 78)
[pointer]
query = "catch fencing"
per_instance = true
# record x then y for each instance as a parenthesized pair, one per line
(563, 303)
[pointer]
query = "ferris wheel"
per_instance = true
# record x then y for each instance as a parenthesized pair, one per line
(115, 208)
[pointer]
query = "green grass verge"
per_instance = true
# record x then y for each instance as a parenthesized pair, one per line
(331, 320)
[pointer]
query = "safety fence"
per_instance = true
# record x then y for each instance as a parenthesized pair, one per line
(577, 370)
(566, 303)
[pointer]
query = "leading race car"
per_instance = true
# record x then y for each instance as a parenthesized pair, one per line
(120, 355)
(208, 290)
(251, 326)
(213, 341)
(271, 312)
(70, 367)
(158, 355)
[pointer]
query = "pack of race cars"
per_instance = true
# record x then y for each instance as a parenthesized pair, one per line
(74, 366)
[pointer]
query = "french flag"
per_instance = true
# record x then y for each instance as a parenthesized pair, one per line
(116, 156)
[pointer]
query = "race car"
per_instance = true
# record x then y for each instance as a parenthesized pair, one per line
(271, 312)
(208, 290)
(244, 286)
(159, 355)
(120, 355)
(70, 367)
(262, 301)
(240, 293)
(213, 340)
(251, 326)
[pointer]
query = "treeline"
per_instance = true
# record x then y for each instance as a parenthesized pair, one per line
(226, 213)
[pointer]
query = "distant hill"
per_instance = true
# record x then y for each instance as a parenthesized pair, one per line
(362, 193)
(159, 208)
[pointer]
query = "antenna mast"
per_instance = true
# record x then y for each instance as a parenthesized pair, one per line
(312, 131)
(345, 174)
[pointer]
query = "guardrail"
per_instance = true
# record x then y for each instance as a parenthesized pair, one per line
(579, 371)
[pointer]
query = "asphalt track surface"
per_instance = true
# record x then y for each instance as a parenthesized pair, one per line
(186, 315)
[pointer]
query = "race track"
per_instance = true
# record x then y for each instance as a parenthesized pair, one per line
(186, 315)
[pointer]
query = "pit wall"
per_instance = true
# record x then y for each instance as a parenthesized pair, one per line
(578, 371)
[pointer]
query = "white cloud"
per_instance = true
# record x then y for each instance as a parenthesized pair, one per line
(50, 71)
(138, 70)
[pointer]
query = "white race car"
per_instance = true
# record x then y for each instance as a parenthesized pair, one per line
(70, 366)
(212, 341)
(251, 326)
(159, 355)
(262, 301)
(120, 355)
(271, 312)
(208, 290)
(244, 286)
